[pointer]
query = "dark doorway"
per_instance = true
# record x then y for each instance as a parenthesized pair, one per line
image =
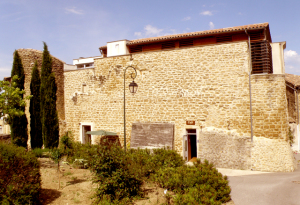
(86, 138)
(192, 143)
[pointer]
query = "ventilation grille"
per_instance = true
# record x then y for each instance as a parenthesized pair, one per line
(261, 55)
(256, 36)
(136, 49)
(221, 39)
(186, 42)
(168, 45)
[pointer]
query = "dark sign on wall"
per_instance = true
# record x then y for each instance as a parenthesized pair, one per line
(190, 123)
(152, 135)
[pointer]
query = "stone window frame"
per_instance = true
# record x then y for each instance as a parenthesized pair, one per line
(80, 131)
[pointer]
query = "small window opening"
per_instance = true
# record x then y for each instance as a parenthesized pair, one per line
(84, 88)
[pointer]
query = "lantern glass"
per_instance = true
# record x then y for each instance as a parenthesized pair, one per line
(133, 87)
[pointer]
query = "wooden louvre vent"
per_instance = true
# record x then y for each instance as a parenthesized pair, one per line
(168, 45)
(261, 55)
(186, 42)
(136, 49)
(226, 38)
(256, 35)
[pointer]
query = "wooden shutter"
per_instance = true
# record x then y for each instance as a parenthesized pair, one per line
(186, 42)
(261, 56)
(168, 45)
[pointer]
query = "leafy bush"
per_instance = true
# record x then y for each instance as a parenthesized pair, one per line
(38, 152)
(291, 136)
(166, 158)
(66, 142)
(81, 151)
(115, 180)
(187, 179)
(107, 201)
(141, 162)
(145, 162)
(20, 179)
(200, 194)
(75, 151)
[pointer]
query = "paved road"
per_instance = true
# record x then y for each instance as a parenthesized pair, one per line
(266, 188)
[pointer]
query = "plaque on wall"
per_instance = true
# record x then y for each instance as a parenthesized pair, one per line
(152, 135)
(190, 123)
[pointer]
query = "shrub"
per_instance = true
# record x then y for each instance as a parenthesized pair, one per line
(200, 194)
(38, 152)
(81, 151)
(291, 136)
(166, 158)
(141, 162)
(145, 162)
(183, 179)
(112, 174)
(56, 155)
(20, 179)
(66, 141)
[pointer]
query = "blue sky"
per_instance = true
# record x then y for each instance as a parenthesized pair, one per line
(77, 28)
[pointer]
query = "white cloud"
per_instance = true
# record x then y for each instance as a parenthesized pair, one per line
(206, 13)
(149, 31)
(73, 11)
(290, 54)
(137, 33)
(292, 62)
(152, 31)
(211, 25)
(186, 18)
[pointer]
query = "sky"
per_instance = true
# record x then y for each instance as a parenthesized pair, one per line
(77, 28)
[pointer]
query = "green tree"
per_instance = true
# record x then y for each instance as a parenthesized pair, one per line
(18, 124)
(45, 73)
(50, 125)
(34, 109)
(11, 100)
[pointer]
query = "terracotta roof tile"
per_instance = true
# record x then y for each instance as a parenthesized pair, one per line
(195, 34)
(293, 79)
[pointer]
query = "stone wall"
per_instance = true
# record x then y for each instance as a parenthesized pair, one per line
(292, 106)
(270, 115)
(206, 84)
(232, 148)
(272, 155)
(29, 56)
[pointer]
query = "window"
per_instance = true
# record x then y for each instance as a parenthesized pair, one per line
(261, 56)
(85, 65)
(84, 88)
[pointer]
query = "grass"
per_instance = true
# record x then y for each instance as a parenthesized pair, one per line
(68, 173)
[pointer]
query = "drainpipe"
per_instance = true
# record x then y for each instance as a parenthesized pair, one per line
(250, 94)
(296, 91)
(298, 121)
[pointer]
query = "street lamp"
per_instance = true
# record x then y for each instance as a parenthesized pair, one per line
(133, 88)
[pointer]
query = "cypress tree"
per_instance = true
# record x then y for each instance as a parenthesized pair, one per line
(18, 124)
(50, 125)
(34, 109)
(45, 73)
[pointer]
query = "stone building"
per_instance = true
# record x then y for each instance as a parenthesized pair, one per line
(292, 92)
(196, 94)
(29, 56)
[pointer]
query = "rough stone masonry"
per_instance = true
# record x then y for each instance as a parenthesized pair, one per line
(29, 56)
(206, 84)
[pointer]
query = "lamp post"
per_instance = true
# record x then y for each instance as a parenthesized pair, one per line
(133, 88)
